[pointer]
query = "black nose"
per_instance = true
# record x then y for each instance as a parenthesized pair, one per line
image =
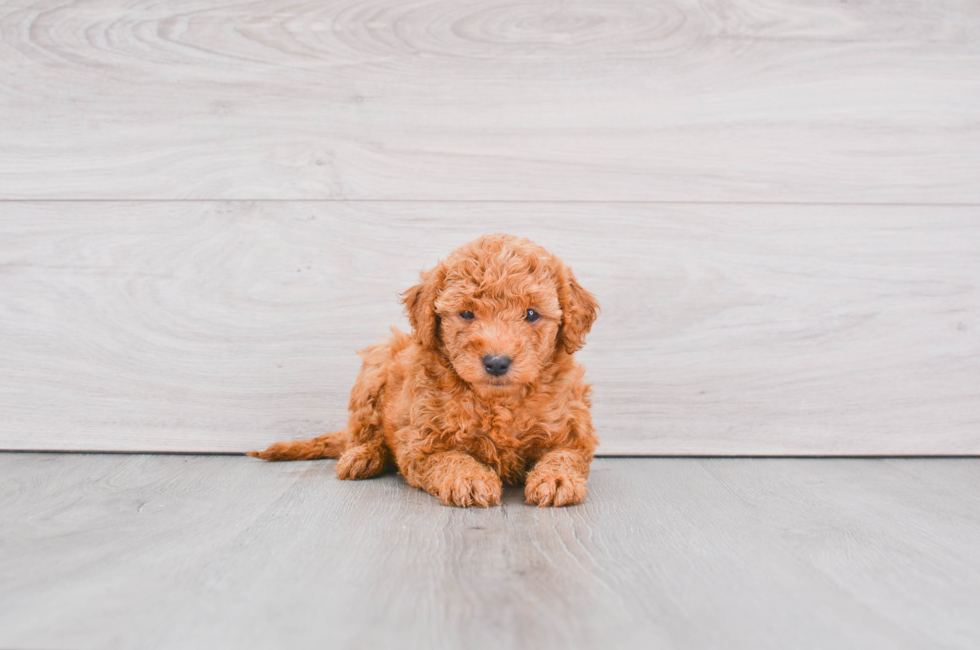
(496, 365)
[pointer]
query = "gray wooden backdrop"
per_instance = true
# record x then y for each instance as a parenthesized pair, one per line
(207, 206)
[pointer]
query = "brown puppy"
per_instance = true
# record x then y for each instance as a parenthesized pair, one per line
(485, 388)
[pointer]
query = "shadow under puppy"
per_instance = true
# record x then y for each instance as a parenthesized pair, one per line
(486, 387)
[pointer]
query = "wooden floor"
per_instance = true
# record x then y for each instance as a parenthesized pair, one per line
(169, 551)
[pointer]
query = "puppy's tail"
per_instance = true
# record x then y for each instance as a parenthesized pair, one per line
(330, 445)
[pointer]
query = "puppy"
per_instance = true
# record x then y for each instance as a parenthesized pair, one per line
(485, 389)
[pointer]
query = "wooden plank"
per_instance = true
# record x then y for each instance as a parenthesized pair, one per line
(763, 101)
(218, 552)
(726, 329)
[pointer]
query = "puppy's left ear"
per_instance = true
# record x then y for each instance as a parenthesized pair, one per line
(579, 309)
(420, 305)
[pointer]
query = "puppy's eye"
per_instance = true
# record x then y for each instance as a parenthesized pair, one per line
(531, 316)
(466, 315)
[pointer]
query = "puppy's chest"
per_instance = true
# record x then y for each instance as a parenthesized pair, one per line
(508, 428)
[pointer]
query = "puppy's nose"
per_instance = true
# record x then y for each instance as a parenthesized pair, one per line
(496, 365)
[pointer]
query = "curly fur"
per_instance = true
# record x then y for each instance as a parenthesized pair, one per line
(425, 404)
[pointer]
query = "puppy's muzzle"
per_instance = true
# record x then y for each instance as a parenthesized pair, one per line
(496, 365)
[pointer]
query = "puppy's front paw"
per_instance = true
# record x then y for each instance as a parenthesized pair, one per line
(465, 490)
(359, 462)
(545, 489)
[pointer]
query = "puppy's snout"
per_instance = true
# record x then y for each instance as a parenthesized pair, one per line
(496, 365)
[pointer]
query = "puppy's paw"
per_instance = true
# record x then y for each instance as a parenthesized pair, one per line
(359, 462)
(464, 490)
(545, 489)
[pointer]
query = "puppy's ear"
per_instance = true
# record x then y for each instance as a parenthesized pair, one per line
(579, 309)
(420, 305)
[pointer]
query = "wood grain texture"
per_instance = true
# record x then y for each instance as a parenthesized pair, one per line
(726, 329)
(753, 100)
(122, 551)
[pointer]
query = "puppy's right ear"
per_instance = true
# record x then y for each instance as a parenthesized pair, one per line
(420, 305)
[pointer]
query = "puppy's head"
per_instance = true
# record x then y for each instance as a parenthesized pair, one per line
(500, 308)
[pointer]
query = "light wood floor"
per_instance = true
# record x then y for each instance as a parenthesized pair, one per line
(160, 551)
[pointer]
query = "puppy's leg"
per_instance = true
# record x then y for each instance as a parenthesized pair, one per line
(366, 454)
(558, 478)
(363, 461)
(454, 477)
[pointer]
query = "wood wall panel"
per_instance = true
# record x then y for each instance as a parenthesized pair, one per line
(666, 100)
(726, 329)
